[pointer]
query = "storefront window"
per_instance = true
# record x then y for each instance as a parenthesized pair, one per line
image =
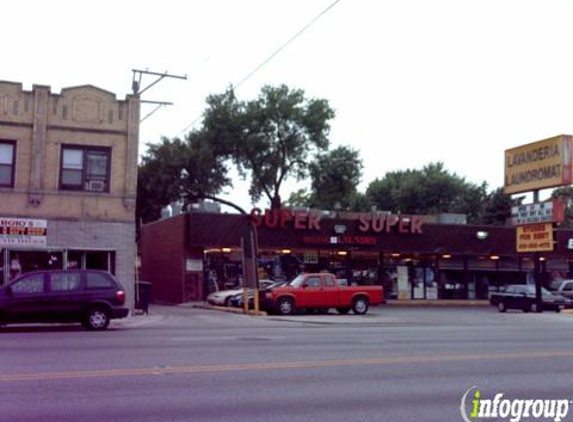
(389, 280)
(25, 261)
(364, 268)
(93, 260)
(480, 283)
(451, 285)
(100, 260)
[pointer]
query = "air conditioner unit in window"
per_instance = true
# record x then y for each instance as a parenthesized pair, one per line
(96, 185)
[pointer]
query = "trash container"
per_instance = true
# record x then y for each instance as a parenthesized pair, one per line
(143, 296)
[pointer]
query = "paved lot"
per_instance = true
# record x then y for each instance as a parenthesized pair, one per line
(185, 364)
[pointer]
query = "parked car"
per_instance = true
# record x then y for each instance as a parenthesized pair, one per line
(91, 297)
(563, 288)
(522, 296)
(264, 285)
(223, 297)
(320, 291)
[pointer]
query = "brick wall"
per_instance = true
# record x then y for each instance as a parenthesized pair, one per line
(163, 259)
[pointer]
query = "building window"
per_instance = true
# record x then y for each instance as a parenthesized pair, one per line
(7, 158)
(85, 168)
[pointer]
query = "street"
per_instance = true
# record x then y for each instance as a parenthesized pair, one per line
(185, 364)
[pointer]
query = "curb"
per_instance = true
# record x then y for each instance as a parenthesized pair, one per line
(227, 309)
(137, 320)
(436, 303)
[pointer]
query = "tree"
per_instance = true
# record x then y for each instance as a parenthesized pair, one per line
(270, 138)
(299, 198)
(182, 171)
(335, 176)
(431, 190)
(497, 207)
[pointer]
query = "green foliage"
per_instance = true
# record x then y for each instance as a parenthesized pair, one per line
(270, 138)
(335, 176)
(497, 207)
(358, 202)
(431, 190)
(299, 198)
(176, 170)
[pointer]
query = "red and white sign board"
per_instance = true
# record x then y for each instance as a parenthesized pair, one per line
(540, 212)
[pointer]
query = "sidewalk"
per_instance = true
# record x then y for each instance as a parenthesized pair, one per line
(138, 320)
(440, 302)
(205, 305)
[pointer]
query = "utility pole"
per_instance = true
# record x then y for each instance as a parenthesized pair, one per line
(138, 90)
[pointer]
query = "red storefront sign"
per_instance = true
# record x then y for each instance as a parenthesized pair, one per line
(367, 222)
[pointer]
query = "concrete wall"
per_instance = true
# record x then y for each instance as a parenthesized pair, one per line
(85, 235)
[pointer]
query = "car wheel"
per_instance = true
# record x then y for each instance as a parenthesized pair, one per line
(360, 306)
(285, 306)
(343, 311)
(557, 310)
(501, 307)
(228, 301)
(533, 307)
(97, 318)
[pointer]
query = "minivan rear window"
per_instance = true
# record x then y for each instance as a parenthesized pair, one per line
(98, 281)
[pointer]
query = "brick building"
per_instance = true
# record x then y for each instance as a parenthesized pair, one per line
(68, 174)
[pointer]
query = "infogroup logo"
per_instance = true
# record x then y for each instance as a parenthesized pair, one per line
(474, 407)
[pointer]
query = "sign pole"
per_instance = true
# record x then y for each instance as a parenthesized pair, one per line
(250, 265)
(537, 276)
(529, 168)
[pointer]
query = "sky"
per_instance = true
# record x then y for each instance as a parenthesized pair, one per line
(411, 81)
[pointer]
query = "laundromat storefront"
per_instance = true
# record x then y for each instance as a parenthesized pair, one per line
(25, 245)
(413, 257)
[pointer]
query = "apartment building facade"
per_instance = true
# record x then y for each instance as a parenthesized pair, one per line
(68, 175)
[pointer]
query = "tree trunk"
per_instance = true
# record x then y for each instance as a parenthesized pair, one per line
(276, 202)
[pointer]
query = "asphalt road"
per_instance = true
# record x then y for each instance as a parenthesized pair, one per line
(183, 364)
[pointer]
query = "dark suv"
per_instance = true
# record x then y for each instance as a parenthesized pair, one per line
(88, 296)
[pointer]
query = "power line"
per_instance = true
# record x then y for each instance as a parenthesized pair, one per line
(271, 57)
(282, 47)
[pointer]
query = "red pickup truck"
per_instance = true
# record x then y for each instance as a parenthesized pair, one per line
(321, 291)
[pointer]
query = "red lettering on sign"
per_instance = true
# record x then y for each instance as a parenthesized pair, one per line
(286, 215)
(378, 224)
(271, 218)
(313, 221)
(391, 221)
(364, 222)
(416, 225)
(299, 217)
(256, 219)
(404, 225)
